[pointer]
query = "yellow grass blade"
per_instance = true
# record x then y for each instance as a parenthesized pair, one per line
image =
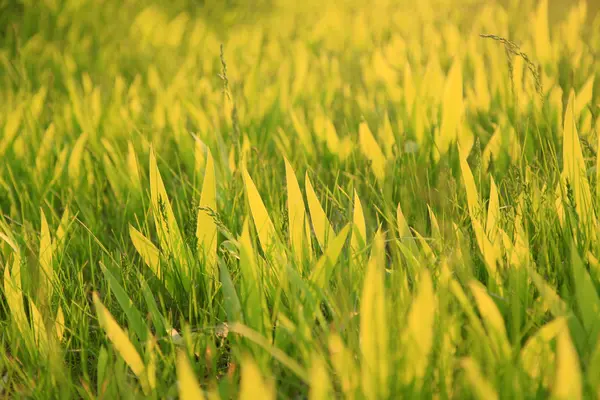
(541, 33)
(465, 139)
(74, 169)
(372, 151)
(231, 160)
(373, 320)
(574, 170)
(248, 254)
(420, 122)
(199, 156)
(252, 284)
(344, 365)
(332, 138)
(187, 383)
(14, 296)
(435, 229)
(160, 203)
(593, 370)
(59, 166)
(584, 97)
(359, 233)
(518, 253)
(426, 249)
(149, 253)
(168, 231)
(567, 381)
(11, 128)
(383, 70)
(253, 385)
(45, 257)
(386, 134)
(483, 389)
(151, 368)
(452, 110)
(404, 232)
(492, 149)
(492, 319)
(121, 342)
(490, 252)
(61, 232)
(493, 215)
(551, 301)
(320, 386)
(537, 356)
(481, 83)
(323, 230)
(419, 329)
(45, 149)
(206, 228)
(262, 221)
(302, 132)
(322, 271)
(598, 160)
(133, 167)
(473, 202)
(38, 327)
(296, 212)
(59, 324)
(113, 177)
(410, 91)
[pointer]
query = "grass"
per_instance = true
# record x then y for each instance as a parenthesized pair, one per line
(299, 200)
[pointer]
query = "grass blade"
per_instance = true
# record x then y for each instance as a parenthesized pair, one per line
(359, 231)
(372, 151)
(323, 230)
(568, 372)
(134, 317)
(419, 329)
(149, 253)
(188, 385)
(45, 257)
(373, 339)
(264, 226)
(296, 212)
(121, 343)
(206, 228)
(483, 389)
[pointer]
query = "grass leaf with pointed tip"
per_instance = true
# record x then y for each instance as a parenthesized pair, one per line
(296, 212)
(206, 228)
(359, 231)
(568, 373)
(134, 317)
(14, 296)
(188, 385)
(321, 225)
(322, 271)
(419, 328)
(75, 160)
(121, 342)
(373, 339)
(264, 226)
(492, 319)
(45, 257)
(146, 249)
(483, 389)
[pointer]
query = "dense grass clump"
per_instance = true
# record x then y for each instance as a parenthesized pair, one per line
(299, 200)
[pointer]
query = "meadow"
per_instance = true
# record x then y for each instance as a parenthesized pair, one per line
(289, 200)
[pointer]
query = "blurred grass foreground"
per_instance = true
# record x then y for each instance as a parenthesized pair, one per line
(282, 199)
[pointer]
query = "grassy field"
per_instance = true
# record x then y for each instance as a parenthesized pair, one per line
(392, 199)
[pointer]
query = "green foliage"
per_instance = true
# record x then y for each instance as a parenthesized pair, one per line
(299, 199)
